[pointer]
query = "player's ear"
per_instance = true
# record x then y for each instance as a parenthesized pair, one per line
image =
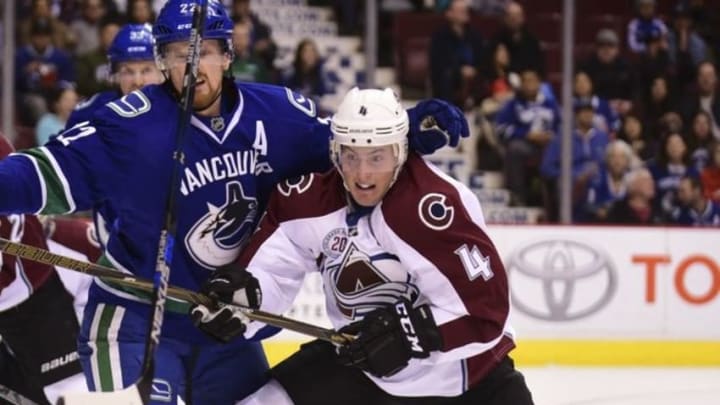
(227, 61)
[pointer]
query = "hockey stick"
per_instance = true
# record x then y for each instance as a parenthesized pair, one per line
(143, 386)
(128, 280)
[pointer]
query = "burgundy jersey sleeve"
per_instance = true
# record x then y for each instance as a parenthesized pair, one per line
(20, 277)
(437, 227)
(77, 234)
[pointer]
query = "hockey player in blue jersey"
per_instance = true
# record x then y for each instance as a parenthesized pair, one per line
(242, 140)
(132, 65)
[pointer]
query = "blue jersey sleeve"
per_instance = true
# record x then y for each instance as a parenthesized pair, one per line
(70, 173)
(85, 110)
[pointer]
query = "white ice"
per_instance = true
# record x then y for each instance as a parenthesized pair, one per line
(555, 385)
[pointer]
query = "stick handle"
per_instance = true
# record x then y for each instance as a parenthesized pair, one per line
(128, 280)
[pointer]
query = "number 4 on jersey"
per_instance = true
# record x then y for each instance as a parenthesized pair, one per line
(474, 262)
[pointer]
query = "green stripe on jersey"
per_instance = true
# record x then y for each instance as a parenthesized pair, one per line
(103, 349)
(57, 202)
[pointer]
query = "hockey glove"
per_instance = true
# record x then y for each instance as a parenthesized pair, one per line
(435, 123)
(387, 338)
(227, 285)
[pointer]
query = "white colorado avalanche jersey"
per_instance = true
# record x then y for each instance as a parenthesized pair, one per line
(426, 241)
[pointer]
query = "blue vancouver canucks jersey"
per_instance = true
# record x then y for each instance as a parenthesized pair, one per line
(87, 108)
(124, 155)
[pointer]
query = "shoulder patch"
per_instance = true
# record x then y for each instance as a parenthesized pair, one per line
(86, 103)
(131, 105)
(301, 102)
(297, 185)
(435, 211)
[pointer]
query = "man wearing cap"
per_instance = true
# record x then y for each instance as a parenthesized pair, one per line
(588, 151)
(609, 71)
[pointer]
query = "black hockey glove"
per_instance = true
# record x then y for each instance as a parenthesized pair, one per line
(387, 338)
(228, 284)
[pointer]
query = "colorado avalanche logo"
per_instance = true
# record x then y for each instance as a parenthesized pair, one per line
(435, 212)
(216, 239)
(362, 282)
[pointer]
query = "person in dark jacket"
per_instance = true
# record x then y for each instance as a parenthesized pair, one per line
(455, 56)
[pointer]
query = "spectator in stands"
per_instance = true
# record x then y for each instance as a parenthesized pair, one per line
(87, 28)
(610, 184)
(695, 209)
(499, 82)
(686, 47)
(671, 164)
(588, 151)
(455, 56)
(655, 101)
(61, 101)
(699, 140)
(93, 68)
(606, 119)
(637, 207)
(62, 38)
(706, 21)
(527, 123)
(653, 62)
(39, 66)
(705, 97)
(632, 132)
(246, 66)
(610, 72)
(499, 86)
(710, 175)
(260, 33)
(644, 28)
(523, 45)
(140, 12)
(307, 76)
(670, 123)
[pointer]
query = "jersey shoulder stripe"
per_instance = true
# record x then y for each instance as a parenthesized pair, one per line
(57, 198)
(308, 196)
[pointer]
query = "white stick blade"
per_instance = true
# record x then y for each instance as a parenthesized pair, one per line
(127, 396)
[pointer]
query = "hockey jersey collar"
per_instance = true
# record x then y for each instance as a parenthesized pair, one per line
(233, 122)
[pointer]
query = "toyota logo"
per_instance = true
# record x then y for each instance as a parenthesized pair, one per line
(560, 280)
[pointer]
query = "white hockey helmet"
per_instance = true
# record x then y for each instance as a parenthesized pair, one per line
(367, 118)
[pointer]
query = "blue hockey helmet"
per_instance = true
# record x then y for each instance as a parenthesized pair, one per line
(134, 42)
(175, 21)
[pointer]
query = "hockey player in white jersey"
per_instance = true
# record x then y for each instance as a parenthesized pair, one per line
(407, 268)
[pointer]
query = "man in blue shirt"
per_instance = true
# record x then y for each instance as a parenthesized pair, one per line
(695, 209)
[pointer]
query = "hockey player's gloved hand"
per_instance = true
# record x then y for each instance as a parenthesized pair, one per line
(435, 123)
(387, 338)
(227, 285)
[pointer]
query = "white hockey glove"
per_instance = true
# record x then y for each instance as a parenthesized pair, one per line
(227, 285)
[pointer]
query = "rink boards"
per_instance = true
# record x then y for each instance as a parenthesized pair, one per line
(594, 296)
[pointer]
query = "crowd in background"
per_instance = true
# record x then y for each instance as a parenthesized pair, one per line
(646, 100)
(646, 112)
(62, 50)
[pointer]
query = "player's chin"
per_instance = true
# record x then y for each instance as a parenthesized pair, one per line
(366, 198)
(202, 99)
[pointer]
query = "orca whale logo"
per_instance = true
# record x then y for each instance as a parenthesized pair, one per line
(216, 239)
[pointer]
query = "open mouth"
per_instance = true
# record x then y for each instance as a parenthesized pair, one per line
(364, 187)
